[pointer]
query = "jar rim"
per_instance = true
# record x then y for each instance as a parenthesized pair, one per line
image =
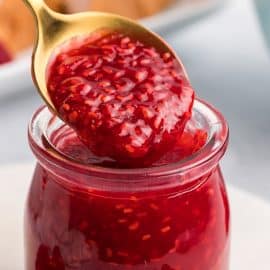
(209, 155)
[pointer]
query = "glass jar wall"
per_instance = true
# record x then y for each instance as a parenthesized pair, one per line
(81, 216)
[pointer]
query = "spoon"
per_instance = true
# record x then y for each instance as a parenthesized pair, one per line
(55, 29)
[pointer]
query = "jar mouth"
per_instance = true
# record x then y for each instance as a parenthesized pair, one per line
(208, 156)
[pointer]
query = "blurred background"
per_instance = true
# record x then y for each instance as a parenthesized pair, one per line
(223, 44)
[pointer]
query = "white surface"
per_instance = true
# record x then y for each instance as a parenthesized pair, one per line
(16, 76)
(250, 228)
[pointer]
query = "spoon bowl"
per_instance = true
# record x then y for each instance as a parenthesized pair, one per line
(55, 29)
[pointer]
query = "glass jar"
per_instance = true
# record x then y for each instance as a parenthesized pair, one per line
(172, 217)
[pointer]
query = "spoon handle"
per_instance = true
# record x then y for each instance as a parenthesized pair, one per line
(35, 5)
(45, 17)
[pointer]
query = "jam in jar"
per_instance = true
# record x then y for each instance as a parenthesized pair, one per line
(85, 213)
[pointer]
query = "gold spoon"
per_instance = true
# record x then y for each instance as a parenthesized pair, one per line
(54, 29)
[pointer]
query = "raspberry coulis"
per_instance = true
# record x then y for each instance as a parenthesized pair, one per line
(126, 100)
(4, 55)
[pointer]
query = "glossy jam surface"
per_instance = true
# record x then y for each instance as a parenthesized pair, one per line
(4, 55)
(69, 144)
(168, 229)
(126, 100)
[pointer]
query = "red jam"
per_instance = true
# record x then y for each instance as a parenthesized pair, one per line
(4, 55)
(126, 100)
(67, 229)
(70, 227)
